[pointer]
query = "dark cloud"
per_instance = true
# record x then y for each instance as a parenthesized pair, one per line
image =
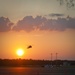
(5, 24)
(55, 15)
(29, 23)
(25, 24)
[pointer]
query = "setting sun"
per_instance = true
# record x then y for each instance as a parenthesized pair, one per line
(20, 52)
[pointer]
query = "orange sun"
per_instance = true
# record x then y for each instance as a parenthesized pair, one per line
(20, 52)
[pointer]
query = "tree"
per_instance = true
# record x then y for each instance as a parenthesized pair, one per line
(69, 3)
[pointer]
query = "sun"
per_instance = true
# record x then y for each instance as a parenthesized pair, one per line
(20, 52)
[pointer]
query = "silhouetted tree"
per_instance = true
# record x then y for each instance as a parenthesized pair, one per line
(69, 3)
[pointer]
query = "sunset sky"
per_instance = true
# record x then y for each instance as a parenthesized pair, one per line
(45, 24)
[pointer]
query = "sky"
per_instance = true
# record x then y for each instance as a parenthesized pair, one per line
(45, 24)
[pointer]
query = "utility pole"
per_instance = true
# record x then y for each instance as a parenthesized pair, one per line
(51, 56)
(56, 59)
(56, 56)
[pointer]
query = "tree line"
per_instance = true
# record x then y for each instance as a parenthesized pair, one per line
(32, 63)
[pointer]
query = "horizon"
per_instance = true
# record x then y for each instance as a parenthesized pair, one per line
(37, 59)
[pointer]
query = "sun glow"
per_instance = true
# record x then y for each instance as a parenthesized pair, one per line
(20, 52)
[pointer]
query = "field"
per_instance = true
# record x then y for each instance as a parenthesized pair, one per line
(37, 71)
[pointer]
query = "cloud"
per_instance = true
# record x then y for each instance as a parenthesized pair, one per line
(5, 24)
(25, 24)
(55, 15)
(29, 23)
